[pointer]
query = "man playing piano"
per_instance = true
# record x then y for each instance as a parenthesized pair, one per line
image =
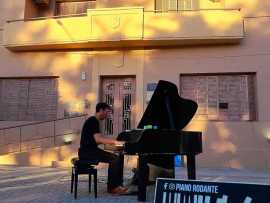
(91, 137)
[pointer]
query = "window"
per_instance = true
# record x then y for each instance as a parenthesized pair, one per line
(165, 5)
(73, 7)
(185, 5)
(28, 99)
(221, 96)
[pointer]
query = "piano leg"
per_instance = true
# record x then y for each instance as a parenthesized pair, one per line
(191, 166)
(121, 157)
(142, 177)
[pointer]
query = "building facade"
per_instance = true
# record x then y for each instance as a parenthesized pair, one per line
(60, 57)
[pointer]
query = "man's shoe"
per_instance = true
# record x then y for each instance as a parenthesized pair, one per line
(118, 190)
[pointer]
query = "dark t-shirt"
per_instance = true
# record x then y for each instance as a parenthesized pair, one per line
(90, 127)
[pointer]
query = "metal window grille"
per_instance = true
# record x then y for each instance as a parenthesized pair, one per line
(120, 94)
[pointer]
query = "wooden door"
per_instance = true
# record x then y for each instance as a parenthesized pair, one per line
(120, 94)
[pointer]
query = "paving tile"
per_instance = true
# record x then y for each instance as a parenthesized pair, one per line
(52, 185)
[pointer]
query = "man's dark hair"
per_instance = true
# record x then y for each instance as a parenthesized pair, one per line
(103, 106)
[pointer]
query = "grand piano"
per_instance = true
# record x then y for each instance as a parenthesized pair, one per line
(169, 113)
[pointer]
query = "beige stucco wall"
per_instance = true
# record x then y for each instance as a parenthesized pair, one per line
(225, 144)
(234, 144)
(250, 56)
(68, 66)
(118, 27)
(1, 36)
(12, 9)
(250, 8)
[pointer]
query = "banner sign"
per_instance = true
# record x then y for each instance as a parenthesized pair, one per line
(150, 91)
(151, 86)
(186, 191)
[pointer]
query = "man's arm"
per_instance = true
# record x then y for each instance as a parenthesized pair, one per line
(101, 139)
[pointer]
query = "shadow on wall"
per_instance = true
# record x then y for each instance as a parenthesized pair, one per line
(36, 144)
(250, 8)
(233, 145)
(56, 156)
(72, 91)
(11, 10)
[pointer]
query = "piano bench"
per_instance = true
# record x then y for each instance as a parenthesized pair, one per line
(84, 167)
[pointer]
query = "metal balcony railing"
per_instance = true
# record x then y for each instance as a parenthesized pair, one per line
(145, 11)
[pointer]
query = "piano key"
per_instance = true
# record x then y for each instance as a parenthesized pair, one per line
(248, 200)
(207, 199)
(224, 199)
(170, 197)
(198, 199)
(177, 197)
(164, 197)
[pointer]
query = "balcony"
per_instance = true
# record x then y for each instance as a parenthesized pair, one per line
(112, 28)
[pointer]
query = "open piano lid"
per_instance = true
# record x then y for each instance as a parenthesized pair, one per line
(156, 113)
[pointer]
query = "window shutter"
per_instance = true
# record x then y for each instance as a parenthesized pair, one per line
(212, 97)
(221, 97)
(14, 99)
(42, 99)
(28, 99)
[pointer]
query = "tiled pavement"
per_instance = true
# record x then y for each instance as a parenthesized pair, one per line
(52, 185)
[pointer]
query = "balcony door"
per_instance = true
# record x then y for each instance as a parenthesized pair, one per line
(174, 5)
(120, 94)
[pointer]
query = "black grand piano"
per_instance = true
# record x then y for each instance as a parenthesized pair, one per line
(170, 114)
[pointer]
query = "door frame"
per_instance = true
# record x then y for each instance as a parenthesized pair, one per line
(99, 70)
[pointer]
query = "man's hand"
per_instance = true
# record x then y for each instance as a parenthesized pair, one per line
(119, 143)
(101, 139)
